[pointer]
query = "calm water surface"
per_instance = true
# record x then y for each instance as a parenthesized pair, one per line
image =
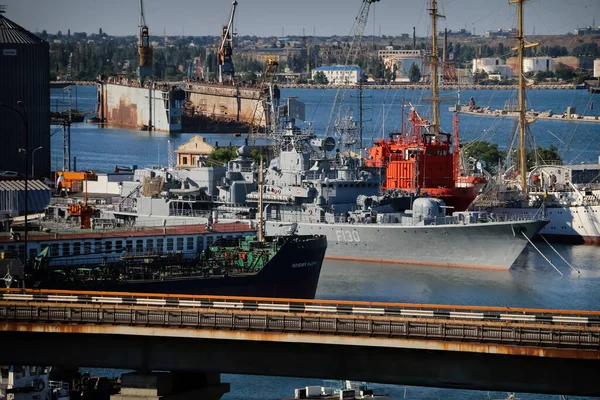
(531, 282)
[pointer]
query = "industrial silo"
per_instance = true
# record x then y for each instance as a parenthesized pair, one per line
(24, 77)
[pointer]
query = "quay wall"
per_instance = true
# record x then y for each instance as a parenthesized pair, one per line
(228, 104)
(427, 86)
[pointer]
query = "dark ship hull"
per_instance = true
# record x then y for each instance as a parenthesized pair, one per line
(292, 272)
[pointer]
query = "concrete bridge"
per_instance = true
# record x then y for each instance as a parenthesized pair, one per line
(485, 348)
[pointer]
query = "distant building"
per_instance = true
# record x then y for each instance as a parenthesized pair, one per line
(501, 33)
(588, 30)
(193, 153)
(402, 60)
(597, 68)
(341, 74)
(537, 64)
(493, 66)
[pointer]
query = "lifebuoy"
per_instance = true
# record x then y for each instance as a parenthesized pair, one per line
(309, 212)
(278, 191)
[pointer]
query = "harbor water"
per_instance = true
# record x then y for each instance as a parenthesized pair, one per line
(531, 282)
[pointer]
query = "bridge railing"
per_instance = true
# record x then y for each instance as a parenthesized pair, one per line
(422, 311)
(370, 326)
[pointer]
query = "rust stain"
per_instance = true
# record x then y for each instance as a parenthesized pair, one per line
(322, 338)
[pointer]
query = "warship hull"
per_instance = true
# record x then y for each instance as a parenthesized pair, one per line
(484, 245)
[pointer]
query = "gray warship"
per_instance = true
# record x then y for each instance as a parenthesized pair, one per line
(320, 186)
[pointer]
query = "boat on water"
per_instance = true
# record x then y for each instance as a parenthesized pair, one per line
(570, 194)
(219, 258)
(22, 382)
(309, 192)
(426, 161)
(310, 188)
(273, 267)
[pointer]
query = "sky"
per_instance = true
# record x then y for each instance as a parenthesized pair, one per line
(296, 17)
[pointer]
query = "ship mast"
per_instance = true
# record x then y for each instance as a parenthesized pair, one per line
(260, 234)
(435, 99)
(522, 103)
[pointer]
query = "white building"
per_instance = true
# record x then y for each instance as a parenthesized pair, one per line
(536, 64)
(489, 65)
(341, 74)
(402, 61)
(597, 68)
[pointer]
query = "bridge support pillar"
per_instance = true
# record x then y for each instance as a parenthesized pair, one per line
(171, 386)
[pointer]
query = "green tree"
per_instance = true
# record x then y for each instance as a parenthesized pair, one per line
(483, 151)
(249, 76)
(320, 78)
(564, 72)
(547, 155)
(414, 74)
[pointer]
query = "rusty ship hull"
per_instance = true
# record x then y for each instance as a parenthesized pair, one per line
(154, 107)
(223, 108)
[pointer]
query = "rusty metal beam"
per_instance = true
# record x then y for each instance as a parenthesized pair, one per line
(324, 338)
(449, 369)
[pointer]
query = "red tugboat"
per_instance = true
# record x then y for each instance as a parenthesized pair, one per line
(426, 159)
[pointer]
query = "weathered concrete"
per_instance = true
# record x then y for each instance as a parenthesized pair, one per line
(396, 365)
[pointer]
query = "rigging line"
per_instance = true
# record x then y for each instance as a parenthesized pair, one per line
(542, 254)
(561, 257)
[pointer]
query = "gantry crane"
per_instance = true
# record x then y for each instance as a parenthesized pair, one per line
(144, 47)
(226, 71)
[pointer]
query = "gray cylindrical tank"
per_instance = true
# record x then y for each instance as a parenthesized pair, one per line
(24, 62)
(428, 207)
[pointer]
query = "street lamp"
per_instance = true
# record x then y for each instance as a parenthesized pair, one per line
(33, 160)
(23, 114)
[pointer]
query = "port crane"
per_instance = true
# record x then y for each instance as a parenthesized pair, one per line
(224, 54)
(352, 50)
(144, 47)
(269, 95)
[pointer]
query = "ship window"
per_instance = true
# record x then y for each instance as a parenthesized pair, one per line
(200, 244)
(118, 245)
(185, 160)
(76, 248)
(108, 246)
(209, 240)
(160, 244)
(4, 372)
(150, 244)
(190, 243)
(170, 244)
(54, 250)
(179, 243)
(98, 246)
(66, 249)
(139, 245)
(87, 247)
(128, 245)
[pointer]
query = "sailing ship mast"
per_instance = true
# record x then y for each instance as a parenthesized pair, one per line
(522, 104)
(434, 67)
